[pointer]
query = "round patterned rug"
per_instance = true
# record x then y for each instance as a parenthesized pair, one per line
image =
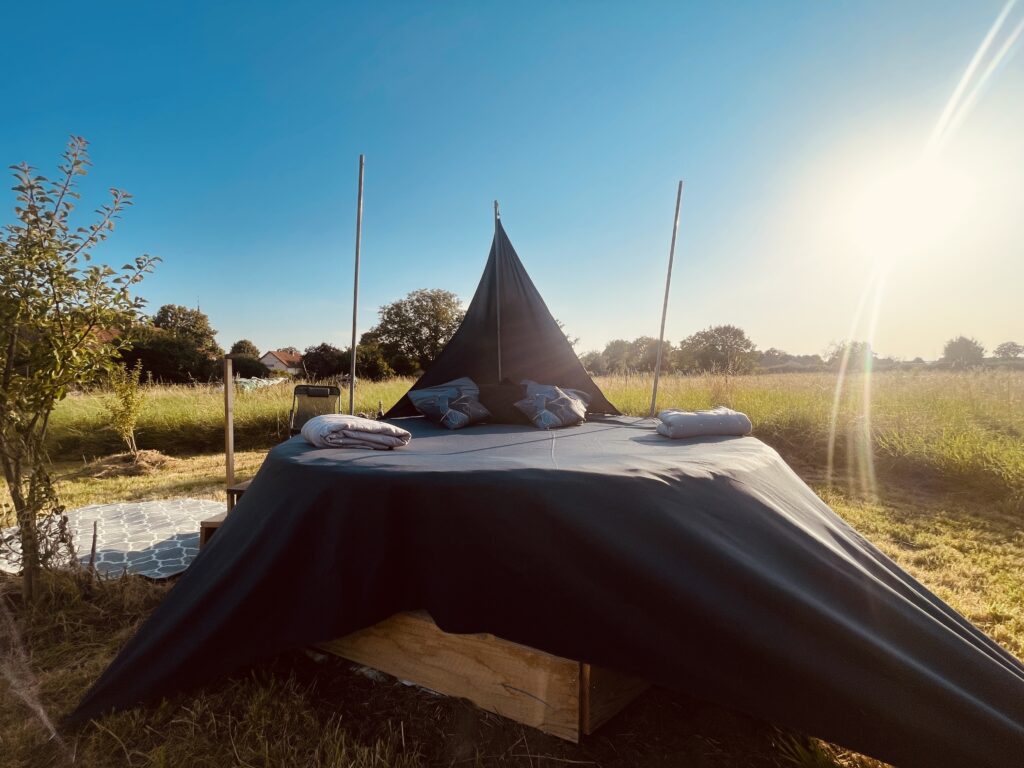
(157, 539)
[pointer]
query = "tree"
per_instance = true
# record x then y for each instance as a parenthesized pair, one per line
(63, 320)
(595, 363)
(124, 403)
(858, 355)
(166, 356)
(190, 324)
(323, 361)
(644, 354)
(246, 348)
(1009, 350)
(722, 348)
(247, 367)
(618, 355)
(370, 362)
(412, 331)
(963, 352)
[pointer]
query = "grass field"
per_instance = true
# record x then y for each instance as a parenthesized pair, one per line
(962, 429)
(947, 504)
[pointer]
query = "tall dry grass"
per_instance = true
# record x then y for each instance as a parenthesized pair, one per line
(189, 419)
(966, 427)
(963, 427)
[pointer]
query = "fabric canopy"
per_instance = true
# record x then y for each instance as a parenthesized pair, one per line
(508, 327)
(705, 565)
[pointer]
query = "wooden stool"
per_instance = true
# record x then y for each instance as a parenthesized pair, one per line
(209, 526)
(235, 493)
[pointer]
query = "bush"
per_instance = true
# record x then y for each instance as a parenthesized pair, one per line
(247, 367)
(124, 403)
(168, 357)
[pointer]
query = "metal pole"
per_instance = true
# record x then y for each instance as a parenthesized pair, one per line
(229, 423)
(355, 292)
(664, 306)
(497, 280)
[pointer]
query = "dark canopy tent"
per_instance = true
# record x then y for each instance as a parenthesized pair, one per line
(508, 328)
(703, 565)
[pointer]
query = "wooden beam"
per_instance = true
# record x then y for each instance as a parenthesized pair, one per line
(229, 423)
(515, 681)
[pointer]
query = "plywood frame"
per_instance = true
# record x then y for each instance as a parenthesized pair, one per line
(560, 696)
(563, 697)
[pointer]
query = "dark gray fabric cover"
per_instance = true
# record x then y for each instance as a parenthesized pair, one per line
(703, 565)
(532, 345)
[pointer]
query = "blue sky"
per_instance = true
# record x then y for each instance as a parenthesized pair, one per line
(237, 127)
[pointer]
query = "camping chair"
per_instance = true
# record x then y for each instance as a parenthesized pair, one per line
(311, 400)
(308, 400)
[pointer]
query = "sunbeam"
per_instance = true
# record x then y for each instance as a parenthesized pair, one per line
(903, 213)
(958, 92)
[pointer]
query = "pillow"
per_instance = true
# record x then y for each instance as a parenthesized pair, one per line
(501, 399)
(453, 405)
(550, 407)
(551, 391)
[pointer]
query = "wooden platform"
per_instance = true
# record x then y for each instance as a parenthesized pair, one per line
(563, 697)
(559, 696)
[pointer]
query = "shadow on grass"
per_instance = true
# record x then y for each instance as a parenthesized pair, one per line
(309, 709)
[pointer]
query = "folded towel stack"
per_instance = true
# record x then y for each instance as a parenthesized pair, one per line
(338, 430)
(716, 422)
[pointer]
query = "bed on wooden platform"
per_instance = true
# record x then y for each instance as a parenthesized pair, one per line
(705, 565)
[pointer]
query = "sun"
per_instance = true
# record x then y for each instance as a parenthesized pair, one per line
(901, 212)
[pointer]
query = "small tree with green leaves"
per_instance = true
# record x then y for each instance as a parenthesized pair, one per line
(124, 402)
(246, 348)
(63, 321)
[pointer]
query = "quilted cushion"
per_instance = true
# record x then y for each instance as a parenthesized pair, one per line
(453, 405)
(549, 407)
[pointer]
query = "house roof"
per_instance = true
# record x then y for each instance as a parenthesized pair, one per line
(289, 359)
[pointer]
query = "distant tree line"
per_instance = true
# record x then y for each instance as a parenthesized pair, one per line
(177, 344)
(728, 349)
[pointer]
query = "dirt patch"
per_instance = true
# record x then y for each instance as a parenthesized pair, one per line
(127, 465)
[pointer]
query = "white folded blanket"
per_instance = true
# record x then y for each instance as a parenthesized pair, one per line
(339, 430)
(717, 421)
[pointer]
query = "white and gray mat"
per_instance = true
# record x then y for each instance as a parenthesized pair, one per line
(157, 539)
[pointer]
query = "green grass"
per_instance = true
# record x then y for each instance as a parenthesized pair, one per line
(962, 429)
(189, 419)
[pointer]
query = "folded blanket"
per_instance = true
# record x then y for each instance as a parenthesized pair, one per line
(717, 421)
(339, 430)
